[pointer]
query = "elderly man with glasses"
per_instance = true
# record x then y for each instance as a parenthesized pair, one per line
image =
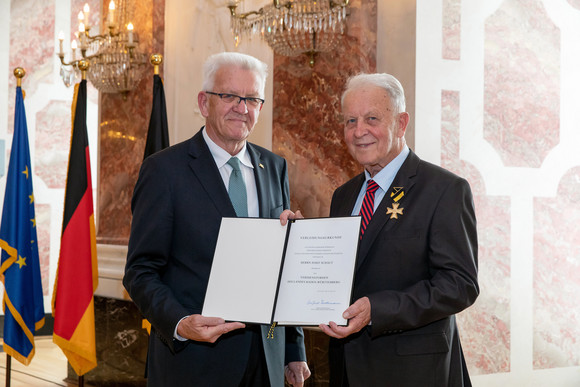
(179, 200)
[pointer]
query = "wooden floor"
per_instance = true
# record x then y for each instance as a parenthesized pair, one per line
(48, 368)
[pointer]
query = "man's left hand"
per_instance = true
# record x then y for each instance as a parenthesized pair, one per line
(296, 373)
(359, 316)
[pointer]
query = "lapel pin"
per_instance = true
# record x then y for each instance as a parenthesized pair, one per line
(261, 165)
(397, 194)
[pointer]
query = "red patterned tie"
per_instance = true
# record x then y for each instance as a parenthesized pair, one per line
(368, 205)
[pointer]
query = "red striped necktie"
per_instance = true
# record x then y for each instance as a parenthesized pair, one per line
(368, 205)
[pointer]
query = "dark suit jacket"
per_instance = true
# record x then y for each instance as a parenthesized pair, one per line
(178, 203)
(417, 271)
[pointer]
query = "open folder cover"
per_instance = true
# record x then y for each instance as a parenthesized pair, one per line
(298, 274)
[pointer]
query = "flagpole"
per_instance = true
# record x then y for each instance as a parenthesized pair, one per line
(8, 369)
(156, 60)
(19, 73)
(83, 66)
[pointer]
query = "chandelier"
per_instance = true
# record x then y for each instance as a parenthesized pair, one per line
(116, 64)
(295, 27)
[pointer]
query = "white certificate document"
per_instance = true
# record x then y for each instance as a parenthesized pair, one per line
(316, 283)
(299, 274)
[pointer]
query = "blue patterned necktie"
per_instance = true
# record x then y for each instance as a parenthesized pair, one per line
(237, 189)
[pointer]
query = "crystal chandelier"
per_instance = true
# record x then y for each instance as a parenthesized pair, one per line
(116, 64)
(295, 27)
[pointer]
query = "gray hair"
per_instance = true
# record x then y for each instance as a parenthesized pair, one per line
(247, 62)
(385, 81)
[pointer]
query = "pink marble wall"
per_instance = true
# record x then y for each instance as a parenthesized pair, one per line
(484, 327)
(522, 83)
(307, 128)
(53, 131)
(31, 48)
(31, 44)
(521, 121)
(43, 218)
(557, 275)
(123, 130)
(451, 34)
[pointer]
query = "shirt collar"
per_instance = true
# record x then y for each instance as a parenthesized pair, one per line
(386, 176)
(221, 157)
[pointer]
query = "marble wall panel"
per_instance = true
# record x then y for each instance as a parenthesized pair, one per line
(485, 326)
(53, 131)
(43, 221)
(31, 44)
(522, 83)
(451, 36)
(307, 128)
(123, 129)
(505, 114)
(556, 275)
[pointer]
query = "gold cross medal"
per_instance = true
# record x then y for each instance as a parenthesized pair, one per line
(397, 194)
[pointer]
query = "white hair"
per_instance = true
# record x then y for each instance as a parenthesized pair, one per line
(247, 62)
(383, 80)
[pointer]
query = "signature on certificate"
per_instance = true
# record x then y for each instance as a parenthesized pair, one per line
(321, 302)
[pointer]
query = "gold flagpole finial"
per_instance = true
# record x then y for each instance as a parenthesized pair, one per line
(19, 73)
(156, 60)
(84, 66)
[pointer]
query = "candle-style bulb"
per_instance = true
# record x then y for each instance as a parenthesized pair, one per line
(86, 10)
(81, 27)
(111, 15)
(73, 47)
(81, 16)
(130, 32)
(60, 41)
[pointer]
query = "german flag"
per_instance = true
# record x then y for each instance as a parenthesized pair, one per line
(158, 133)
(77, 273)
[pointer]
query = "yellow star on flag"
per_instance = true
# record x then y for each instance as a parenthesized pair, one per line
(395, 211)
(31, 197)
(26, 172)
(33, 222)
(21, 261)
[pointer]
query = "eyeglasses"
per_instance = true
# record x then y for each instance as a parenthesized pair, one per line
(252, 102)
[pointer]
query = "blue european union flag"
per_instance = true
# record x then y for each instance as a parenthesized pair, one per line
(20, 268)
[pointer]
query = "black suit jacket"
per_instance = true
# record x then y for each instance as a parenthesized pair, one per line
(417, 270)
(178, 203)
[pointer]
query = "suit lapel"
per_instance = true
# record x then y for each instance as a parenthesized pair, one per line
(383, 218)
(261, 180)
(345, 206)
(203, 166)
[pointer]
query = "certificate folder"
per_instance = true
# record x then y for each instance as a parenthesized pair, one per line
(298, 274)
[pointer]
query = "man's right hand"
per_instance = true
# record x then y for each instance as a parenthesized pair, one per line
(209, 329)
